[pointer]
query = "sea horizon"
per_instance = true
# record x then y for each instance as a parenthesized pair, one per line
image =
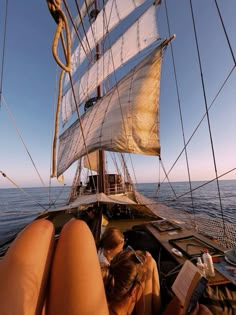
(18, 208)
(139, 183)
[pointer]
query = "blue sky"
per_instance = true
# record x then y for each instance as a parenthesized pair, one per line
(29, 89)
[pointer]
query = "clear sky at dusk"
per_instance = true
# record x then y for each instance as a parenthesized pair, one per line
(29, 90)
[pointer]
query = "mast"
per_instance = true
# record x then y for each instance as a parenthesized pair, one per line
(111, 133)
(101, 153)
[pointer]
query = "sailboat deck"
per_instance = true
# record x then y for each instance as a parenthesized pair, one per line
(183, 234)
(222, 232)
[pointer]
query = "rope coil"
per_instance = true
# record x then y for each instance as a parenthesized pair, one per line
(54, 7)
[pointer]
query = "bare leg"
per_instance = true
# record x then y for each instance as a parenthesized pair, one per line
(24, 270)
(76, 285)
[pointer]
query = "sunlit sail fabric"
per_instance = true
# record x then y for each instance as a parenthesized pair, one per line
(91, 161)
(134, 40)
(125, 120)
(112, 14)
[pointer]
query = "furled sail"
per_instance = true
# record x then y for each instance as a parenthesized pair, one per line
(138, 37)
(124, 120)
(114, 12)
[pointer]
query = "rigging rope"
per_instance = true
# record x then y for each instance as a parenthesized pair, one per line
(106, 27)
(60, 18)
(52, 203)
(157, 192)
(200, 122)
(85, 11)
(3, 51)
(54, 7)
(74, 26)
(77, 177)
(226, 35)
(167, 177)
(18, 132)
(206, 112)
(208, 118)
(4, 175)
(180, 112)
(83, 27)
(78, 115)
(208, 182)
(10, 114)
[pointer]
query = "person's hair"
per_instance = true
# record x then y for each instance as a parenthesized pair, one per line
(127, 269)
(110, 239)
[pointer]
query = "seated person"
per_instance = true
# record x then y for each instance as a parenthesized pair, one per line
(111, 243)
(37, 278)
(124, 282)
(132, 274)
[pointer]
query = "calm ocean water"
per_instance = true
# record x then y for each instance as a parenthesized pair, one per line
(18, 208)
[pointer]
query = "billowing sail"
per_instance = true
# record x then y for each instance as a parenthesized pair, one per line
(134, 40)
(112, 13)
(125, 120)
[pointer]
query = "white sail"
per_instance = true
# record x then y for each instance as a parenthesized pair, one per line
(125, 120)
(139, 36)
(83, 11)
(111, 14)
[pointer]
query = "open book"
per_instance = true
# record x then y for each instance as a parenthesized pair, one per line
(189, 286)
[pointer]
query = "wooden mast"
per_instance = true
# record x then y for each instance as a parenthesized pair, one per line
(101, 153)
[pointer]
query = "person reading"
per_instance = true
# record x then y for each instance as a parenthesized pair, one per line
(111, 243)
(42, 277)
(124, 281)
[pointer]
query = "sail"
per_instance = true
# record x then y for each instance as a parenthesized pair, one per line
(139, 36)
(83, 12)
(91, 161)
(125, 120)
(114, 12)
